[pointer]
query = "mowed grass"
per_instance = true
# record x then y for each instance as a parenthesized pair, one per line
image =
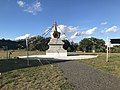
(113, 66)
(17, 75)
(15, 53)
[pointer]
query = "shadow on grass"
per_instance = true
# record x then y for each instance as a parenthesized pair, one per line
(13, 64)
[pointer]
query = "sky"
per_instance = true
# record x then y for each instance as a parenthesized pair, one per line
(76, 18)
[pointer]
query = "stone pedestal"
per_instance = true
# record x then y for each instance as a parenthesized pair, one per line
(56, 48)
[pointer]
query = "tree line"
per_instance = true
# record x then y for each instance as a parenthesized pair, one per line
(41, 43)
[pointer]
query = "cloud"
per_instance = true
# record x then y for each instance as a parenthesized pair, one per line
(63, 29)
(63, 37)
(22, 37)
(70, 29)
(104, 23)
(33, 8)
(88, 36)
(21, 3)
(87, 33)
(112, 29)
(90, 31)
(67, 29)
(75, 35)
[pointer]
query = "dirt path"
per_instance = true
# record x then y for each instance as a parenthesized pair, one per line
(85, 77)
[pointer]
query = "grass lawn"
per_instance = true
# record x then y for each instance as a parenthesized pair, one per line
(113, 66)
(17, 75)
(3, 54)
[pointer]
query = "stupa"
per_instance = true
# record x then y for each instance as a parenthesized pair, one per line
(56, 44)
(56, 50)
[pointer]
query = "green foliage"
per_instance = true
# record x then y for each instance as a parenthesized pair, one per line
(41, 44)
(115, 49)
(89, 44)
(34, 43)
(21, 44)
(70, 46)
(8, 44)
(73, 47)
(66, 44)
(38, 43)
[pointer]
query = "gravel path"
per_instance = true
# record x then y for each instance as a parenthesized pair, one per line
(85, 77)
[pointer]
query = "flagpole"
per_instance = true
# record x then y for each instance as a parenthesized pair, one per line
(27, 51)
(107, 51)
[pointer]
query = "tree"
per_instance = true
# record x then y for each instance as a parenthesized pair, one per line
(21, 44)
(89, 44)
(42, 43)
(9, 44)
(38, 43)
(70, 46)
(115, 49)
(66, 44)
(34, 43)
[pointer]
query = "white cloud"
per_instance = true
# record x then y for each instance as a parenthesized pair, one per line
(88, 36)
(112, 29)
(75, 35)
(63, 37)
(90, 31)
(104, 23)
(21, 3)
(33, 8)
(63, 29)
(87, 33)
(72, 29)
(22, 37)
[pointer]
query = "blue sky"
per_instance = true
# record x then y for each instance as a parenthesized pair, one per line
(83, 14)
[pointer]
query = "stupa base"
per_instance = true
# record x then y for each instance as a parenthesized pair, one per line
(57, 54)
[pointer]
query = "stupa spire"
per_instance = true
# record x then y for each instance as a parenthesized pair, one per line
(55, 26)
(55, 34)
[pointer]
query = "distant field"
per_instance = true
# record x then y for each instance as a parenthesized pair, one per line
(3, 54)
(113, 66)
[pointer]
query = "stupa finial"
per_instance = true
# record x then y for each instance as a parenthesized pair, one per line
(55, 26)
(56, 34)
